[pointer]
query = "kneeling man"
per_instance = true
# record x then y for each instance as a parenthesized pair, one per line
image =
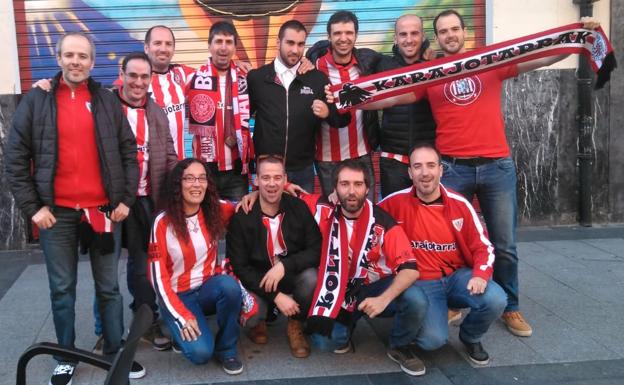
(454, 255)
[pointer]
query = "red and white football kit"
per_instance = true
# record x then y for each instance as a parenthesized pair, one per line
(138, 123)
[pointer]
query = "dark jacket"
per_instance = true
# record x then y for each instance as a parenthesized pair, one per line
(403, 125)
(367, 62)
(162, 154)
(33, 137)
(246, 244)
(288, 127)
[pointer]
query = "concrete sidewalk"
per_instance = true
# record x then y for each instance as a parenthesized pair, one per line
(572, 292)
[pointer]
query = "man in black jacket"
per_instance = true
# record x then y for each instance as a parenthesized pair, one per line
(290, 107)
(274, 251)
(84, 175)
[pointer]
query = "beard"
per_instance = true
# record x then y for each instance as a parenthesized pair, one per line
(352, 206)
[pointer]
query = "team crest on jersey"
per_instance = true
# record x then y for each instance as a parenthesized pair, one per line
(378, 231)
(202, 108)
(458, 223)
(176, 78)
(242, 85)
(464, 91)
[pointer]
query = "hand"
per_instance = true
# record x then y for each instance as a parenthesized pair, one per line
(320, 109)
(120, 213)
(333, 198)
(476, 285)
(590, 22)
(329, 96)
(44, 84)
(294, 189)
(429, 54)
(44, 219)
(286, 305)
(190, 331)
(246, 203)
(272, 278)
(245, 66)
(373, 306)
(305, 66)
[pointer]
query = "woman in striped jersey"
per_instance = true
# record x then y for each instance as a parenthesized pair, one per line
(184, 269)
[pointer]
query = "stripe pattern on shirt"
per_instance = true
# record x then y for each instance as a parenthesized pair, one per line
(138, 123)
(276, 246)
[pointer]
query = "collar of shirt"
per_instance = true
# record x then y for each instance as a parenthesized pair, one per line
(281, 70)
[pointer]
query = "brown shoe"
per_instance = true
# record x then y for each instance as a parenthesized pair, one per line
(299, 346)
(258, 334)
(454, 315)
(516, 324)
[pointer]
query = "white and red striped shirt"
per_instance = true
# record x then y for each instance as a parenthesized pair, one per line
(337, 144)
(276, 246)
(169, 92)
(181, 265)
(398, 157)
(138, 122)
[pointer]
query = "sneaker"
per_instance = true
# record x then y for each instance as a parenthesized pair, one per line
(476, 353)
(454, 315)
(62, 374)
(407, 360)
(175, 347)
(258, 334)
(232, 365)
(156, 337)
(99, 346)
(137, 371)
(346, 348)
(299, 346)
(516, 324)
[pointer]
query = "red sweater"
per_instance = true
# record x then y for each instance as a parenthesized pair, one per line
(78, 182)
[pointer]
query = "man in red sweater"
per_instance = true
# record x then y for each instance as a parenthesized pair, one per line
(453, 253)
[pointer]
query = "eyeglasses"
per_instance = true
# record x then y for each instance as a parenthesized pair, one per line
(190, 179)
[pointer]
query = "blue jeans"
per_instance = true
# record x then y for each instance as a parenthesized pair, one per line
(451, 291)
(60, 249)
(303, 177)
(393, 176)
(408, 310)
(220, 294)
(495, 186)
(325, 172)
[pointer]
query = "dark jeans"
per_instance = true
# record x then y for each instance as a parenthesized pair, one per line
(393, 176)
(231, 185)
(302, 289)
(325, 171)
(303, 177)
(495, 186)
(60, 249)
(408, 309)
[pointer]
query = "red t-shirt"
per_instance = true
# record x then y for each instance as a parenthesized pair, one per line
(468, 115)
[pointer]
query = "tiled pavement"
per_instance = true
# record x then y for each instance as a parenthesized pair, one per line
(572, 291)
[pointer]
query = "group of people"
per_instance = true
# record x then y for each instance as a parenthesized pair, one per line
(103, 169)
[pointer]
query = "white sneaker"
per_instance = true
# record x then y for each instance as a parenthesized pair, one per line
(62, 374)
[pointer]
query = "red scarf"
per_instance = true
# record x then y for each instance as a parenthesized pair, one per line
(206, 109)
(568, 39)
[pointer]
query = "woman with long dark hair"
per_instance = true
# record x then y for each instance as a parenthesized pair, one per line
(184, 269)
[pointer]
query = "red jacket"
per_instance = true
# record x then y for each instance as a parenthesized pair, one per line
(473, 244)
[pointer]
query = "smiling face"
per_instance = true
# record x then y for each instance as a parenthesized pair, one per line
(194, 184)
(351, 190)
(222, 48)
(450, 35)
(408, 36)
(291, 46)
(342, 37)
(160, 49)
(425, 170)
(75, 59)
(270, 180)
(136, 80)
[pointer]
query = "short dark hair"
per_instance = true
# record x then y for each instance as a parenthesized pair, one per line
(291, 24)
(342, 17)
(148, 34)
(135, 55)
(269, 158)
(448, 12)
(424, 144)
(222, 28)
(352, 164)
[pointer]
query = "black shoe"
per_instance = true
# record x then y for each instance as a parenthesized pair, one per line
(476, 353)
(175, 347)
(407, 360)
(232, 365)
(137, 371)
(156, 337)
(346, 348)
(62, 374)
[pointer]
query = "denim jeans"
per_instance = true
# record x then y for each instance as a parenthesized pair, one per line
(451, 291)
(393, 176)
(408, 309)
(325, 172)
(60, 249)
(303, 177)
(220, 294)
(495, 186)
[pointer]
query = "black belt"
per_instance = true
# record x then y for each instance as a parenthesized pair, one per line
(474, 162)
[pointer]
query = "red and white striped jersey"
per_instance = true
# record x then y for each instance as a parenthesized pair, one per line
(276, 246)
(183, 265)
(169, 92)
(138, 122)
(401, 158)
(337, 144)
